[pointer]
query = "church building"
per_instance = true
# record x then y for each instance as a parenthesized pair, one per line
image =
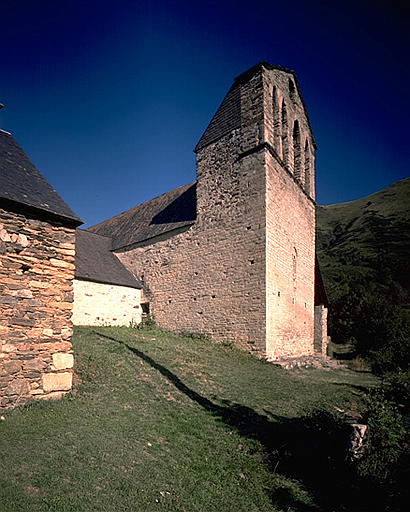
(232, 255)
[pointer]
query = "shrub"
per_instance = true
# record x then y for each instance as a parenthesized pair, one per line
(396, 386)
(194, 335)
(386, 441)
(147, 322)
(370, 319)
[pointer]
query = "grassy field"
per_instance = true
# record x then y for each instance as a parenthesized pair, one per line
(169, 423)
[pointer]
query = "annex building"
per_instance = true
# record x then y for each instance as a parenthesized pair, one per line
(37, 249)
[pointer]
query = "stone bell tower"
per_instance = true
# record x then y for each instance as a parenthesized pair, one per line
(255, 192)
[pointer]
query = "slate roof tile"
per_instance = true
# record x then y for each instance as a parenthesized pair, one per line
(226, 119)
(170, 211)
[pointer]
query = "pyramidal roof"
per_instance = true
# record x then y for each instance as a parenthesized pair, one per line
(21, 183)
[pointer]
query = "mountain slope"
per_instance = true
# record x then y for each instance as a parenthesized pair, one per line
(367, 240)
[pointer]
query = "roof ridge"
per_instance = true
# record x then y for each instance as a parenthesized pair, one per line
(94, 261)
(93, 233)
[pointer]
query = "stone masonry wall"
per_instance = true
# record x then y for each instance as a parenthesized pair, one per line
(290, 219)
(290, 259)
(105, 304)
(211, 278)
(36, 300)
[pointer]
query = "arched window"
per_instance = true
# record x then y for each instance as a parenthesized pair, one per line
(276, 121)
(307, 167)
(297, 153)
(284, 133)
(292, 90)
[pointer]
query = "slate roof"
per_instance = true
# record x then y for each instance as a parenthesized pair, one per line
(228, 115)
(22, 183)
(170, 211)
(226, 119)
(95, 262)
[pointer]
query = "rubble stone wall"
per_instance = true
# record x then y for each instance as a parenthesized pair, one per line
(105, 304)
(36, 301)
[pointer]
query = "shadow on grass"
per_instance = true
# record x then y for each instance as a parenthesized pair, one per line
(310, 449)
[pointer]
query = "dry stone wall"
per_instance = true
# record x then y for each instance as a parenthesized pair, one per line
(36, 300)
(105, 304)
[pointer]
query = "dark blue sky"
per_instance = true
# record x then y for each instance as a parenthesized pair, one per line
(108, 98)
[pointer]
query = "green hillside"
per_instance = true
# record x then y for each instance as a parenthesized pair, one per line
(363, 248)
(367, 240)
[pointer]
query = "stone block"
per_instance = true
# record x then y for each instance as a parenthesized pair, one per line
(35, 364)
(26, 294)
(52, 347)
(17, 387)
(55, 395)
(24, 322)
(57, 381)
(8, 300)
(66, 333)
(9, 347)
(4, 236)
(32, 375)
(61, 263)
(63, 361)
(39, 284)
(10, 368)
(22, 240)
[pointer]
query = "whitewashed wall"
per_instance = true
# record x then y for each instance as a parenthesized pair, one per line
(105, 304)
